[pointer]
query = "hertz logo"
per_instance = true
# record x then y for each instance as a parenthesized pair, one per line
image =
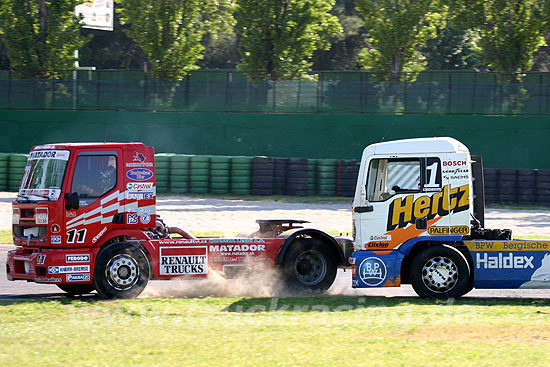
(406, 210)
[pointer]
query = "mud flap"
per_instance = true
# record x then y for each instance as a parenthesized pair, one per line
(376, 269)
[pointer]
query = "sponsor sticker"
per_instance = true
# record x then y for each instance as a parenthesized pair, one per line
(70, 214)
(144, 218)
(77, 258)
(140, 195)
(132, 218)
(139, 161)
(188, 260)
(47, 280)
(504, 261)
(40, 259)
(372, 271)
(139, 186)
(49, 154)
(69, 269)
(41, 218)
(98, 236)
(55, 228)
(139, 174)
(383, 237)
(377, 244)
(78, 277)
(445, 230)
(55, 239)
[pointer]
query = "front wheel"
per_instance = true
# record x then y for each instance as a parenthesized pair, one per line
(440, 272)
(121, 271)
(309, 266)
(76, 289)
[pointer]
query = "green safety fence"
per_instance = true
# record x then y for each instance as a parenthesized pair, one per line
(229, 91)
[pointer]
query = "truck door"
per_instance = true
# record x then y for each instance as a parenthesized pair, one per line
(403, 197)
(94, 178)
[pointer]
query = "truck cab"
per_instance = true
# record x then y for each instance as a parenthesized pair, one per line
(412, 188)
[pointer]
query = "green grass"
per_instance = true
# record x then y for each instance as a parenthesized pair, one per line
(313, 331)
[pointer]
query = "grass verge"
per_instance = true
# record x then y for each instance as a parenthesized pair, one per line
(312, 331)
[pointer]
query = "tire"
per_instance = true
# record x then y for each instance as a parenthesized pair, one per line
(76, 289)
(121, 271)
(440, 262)
(309, 266)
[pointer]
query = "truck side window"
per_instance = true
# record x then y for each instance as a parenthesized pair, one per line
(388, 177)
(94, 176)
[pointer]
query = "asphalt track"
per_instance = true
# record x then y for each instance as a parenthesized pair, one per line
(22, 290)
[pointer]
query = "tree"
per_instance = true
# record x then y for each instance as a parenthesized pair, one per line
(397, 29)
(170, 31)
(41, 36)
(510, 32)
(454, 48)
(278, 37)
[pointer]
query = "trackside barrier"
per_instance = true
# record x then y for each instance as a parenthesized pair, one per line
(239, 175)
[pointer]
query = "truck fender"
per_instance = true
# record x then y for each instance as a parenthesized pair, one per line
(309, 233)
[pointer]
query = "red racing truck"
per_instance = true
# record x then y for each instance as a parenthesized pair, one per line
(85, 219)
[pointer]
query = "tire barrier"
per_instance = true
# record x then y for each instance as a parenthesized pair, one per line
(4, 174)
(199, 178)
(181, 174)
(297, 177)
(346, 178)
(326, 177)
(241, 168)
(220, 174)
(16, 168)
(262, 177)
(162, 171)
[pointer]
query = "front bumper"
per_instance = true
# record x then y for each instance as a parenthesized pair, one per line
(58, 266)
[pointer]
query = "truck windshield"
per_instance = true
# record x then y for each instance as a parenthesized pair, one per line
(43, 175)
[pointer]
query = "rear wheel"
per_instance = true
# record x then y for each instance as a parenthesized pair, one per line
(121, 271)
(76, 289)
(309, 265)
(440, 272)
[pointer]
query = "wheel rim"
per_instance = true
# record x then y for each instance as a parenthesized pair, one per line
(122, 271)
(310, 267)
(440, 274)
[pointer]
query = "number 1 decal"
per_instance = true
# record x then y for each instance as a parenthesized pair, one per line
(79, 235)
(433, 174)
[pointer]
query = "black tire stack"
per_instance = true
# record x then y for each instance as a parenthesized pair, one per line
(241, 168)
(262, 176)
(4, 160)
(326, 177)
(507, 186)
(162, 171)
(199, 179)
(220, 174)
(526, 187)
(490, 176)
(346, 177)
(280, 169)
(297, 181)
(542, 184)
(179, 173)
(312, 177)
(16, 168)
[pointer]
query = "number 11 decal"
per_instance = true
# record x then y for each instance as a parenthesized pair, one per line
(79, 235)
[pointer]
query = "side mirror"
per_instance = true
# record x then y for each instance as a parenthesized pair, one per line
(72, 201)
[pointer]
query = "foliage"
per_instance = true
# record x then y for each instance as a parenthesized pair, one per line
(345, 47)
(41, 36)
(510, 31)
(170, 31)
(397, 29)
(279, 37)
(453, 49)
